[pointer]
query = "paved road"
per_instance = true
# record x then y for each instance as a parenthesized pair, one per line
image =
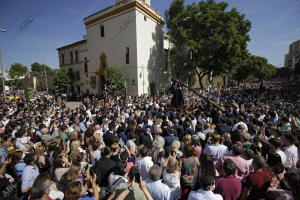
(73, 104)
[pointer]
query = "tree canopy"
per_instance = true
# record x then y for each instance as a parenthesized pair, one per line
(38, 69)
(254, 66)
(17, 70)
(61, 81)
(218, 37)
(114, 79)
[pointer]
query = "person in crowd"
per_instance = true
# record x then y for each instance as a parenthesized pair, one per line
(214, 148)
(118, 176)
(72, 174)
(276, 169)
(228, 185)
(192, 146)
(257, 182)
(189, 168)
(275, 145)
(105, 165)
(132, 189)
(76, 190)
(206, 190)
(156, 188)
(242, 166)
(291, 153)
(171, 176)
(30, 172)
(145, 163)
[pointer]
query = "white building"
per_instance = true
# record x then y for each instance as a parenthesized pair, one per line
(293, 57)
(129, 35)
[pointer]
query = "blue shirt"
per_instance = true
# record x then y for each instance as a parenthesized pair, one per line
(158, 190)
(3, 154)
(19, 167)
(28, 176)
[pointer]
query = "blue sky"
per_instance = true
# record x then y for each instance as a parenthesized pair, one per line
(48, 24)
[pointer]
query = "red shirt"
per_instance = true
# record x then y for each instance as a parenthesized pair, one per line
(258, 183)
(229, 187)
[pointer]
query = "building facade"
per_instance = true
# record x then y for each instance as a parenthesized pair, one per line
(129, 35)
(293, 56)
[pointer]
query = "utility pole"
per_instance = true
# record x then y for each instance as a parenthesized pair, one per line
(3, 81)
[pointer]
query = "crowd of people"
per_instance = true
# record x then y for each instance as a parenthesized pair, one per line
(143, 149)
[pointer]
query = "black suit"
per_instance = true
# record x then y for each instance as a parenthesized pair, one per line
(179, 130)
(106, 166)
(146, 140)
(223, 129)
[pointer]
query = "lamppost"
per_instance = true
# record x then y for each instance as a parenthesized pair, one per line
(3, 81)
(45, 73)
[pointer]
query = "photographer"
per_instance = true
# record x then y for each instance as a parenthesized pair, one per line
(135, 188)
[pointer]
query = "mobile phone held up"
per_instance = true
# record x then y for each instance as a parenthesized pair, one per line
(137, 178)
(121, 142)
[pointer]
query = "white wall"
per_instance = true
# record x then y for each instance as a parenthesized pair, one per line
(150, 52)
(119, 34)
(77, 66)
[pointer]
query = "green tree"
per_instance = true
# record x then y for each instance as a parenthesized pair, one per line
(261, 69)
(244, 69)
(38, 69)
(217, 36)
(17, 70)
(297, 68)
(61, 81)
(15, 84)
(114, 79)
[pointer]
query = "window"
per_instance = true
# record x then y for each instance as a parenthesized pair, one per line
(76, 56)
(102, 31)
(71, 56)
(127, 55)
(85, 65)
(62, 59)
(145, 18)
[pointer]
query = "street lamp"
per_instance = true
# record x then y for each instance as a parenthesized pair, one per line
(3, 81)
(45, 73)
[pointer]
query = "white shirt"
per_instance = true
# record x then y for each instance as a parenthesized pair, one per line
(215, 151)
(22, 143)
(173, 181)
(203, 195)
(240, 123)
(88, 112)
(282, 155)
(144, 165)
(131, 143)
(291, 153)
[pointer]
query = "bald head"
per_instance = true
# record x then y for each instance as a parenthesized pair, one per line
(97, 127)
(44, 131)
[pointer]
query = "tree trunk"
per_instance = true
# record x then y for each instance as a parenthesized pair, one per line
(224, 80)
(200, 82)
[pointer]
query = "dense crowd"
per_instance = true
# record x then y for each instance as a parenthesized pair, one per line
(143, 149)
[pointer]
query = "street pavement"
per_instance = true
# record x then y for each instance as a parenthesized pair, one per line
(73, 104)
